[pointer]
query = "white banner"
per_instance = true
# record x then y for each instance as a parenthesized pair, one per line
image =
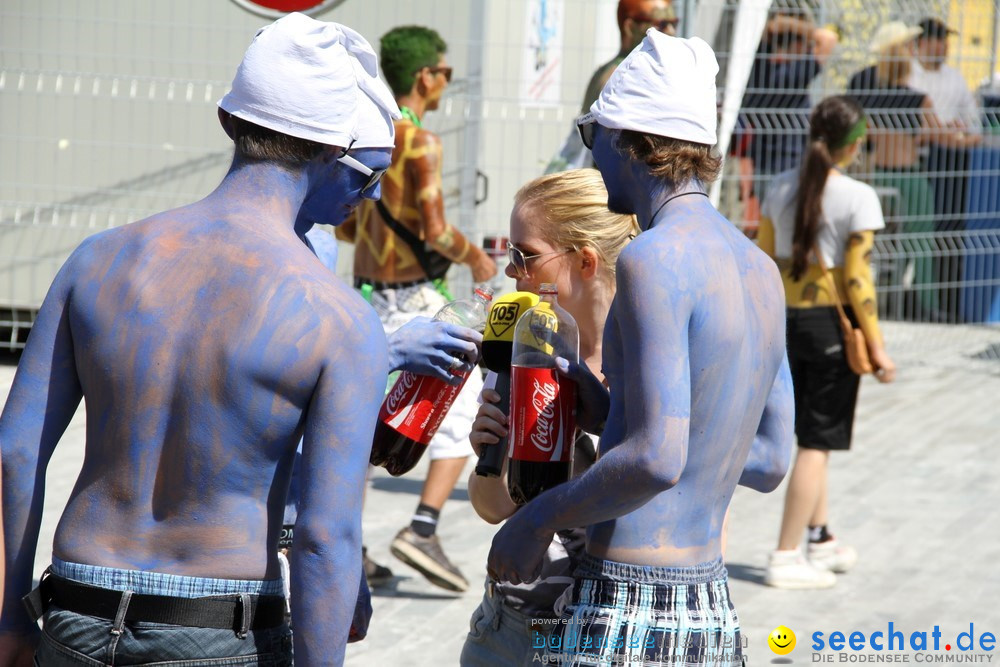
(541, 69)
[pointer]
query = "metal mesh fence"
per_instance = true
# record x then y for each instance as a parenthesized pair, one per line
(927, 88)
(108, 116)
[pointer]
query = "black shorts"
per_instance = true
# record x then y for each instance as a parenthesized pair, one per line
(826, 389)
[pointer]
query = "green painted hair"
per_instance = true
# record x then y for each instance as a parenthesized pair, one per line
(405, 51)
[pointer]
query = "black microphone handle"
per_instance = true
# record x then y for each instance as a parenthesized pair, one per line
(491, 461)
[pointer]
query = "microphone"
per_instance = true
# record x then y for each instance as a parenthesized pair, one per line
(498, 344)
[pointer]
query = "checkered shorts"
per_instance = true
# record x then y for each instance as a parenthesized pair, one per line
(623, 614)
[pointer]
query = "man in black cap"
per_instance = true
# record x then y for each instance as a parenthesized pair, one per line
(947, 157)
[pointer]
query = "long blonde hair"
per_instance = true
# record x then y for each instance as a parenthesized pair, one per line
(572, 208)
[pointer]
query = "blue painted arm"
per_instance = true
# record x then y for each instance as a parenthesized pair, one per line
(652, 318)
(326, 568)
(771, 451)
(45, 394)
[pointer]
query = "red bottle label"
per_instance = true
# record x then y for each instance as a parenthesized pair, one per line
(542, 415)
(417, 404)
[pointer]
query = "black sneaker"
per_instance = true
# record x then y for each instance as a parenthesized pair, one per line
(377, 575)
(425, 555)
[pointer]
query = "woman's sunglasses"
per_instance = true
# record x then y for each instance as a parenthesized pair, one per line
(519, 260)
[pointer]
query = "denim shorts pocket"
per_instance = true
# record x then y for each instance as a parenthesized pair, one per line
(53, 653)
(482, 619)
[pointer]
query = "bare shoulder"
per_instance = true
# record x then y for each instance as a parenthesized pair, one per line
(425, 139)
(352, 319)
(758, 261)
(96, 253)
(423, 154)
(651, 249)
(671, 256)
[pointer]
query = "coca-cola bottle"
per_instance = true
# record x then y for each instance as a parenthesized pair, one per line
(415, 406)
(542, 402)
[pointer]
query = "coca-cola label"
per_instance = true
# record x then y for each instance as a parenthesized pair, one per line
(416, 405)
(542, 415)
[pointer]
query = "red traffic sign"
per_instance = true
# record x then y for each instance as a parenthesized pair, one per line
(278, 8)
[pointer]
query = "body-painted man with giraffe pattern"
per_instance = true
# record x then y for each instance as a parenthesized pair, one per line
(386, 269)
(413, 62)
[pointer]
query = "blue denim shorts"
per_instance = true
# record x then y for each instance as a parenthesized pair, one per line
(69, 638)
(501, 635)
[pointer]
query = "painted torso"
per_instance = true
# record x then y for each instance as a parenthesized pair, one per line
(735, 348)
(379, 254)
(199, 343)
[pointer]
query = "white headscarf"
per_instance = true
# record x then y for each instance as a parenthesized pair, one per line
(314, 80)
(666, 86)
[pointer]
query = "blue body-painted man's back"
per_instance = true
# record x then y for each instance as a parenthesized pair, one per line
(206, 341)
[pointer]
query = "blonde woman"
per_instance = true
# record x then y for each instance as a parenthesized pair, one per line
(561, 232)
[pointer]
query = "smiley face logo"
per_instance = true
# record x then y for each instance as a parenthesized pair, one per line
(781, 640)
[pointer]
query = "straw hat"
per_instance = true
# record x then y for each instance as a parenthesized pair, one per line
(892, 34)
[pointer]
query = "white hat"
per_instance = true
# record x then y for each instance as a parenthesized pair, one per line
(309, 79)
(891, 34)
(376, 111)
(666, 86)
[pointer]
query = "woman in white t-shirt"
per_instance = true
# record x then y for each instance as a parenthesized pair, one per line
(819, 206)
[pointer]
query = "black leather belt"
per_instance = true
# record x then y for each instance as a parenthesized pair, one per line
(379, 285)
(233, 612)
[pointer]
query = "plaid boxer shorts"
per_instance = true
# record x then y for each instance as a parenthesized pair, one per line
(623, 614)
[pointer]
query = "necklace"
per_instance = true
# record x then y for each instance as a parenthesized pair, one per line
(410, 116)
(670, 199)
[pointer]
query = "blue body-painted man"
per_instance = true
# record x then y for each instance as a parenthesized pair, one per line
(700, 396)
(206, 341)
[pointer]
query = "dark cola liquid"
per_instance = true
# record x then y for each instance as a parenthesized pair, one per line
(394, 451)
(496, 355)
(528, 479)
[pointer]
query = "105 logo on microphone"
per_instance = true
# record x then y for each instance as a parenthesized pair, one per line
(543, 421)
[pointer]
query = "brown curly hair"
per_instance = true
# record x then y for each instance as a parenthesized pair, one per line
(675, 160)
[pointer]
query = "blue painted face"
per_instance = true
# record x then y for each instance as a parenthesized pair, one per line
(340, 190)
(614, 168)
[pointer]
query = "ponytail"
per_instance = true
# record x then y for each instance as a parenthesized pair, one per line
(836, 122)
(809, 203)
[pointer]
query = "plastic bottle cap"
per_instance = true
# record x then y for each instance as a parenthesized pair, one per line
(548, 288)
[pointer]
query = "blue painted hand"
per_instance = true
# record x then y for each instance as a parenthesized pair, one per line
(592, 398)
(518, 548)
(429, 347)
(362, 612)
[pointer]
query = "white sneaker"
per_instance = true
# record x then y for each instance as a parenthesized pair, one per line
(832, 555)
(790, 569)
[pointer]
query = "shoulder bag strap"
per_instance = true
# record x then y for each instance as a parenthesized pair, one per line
(399, 228)
(416, 246)
(845, 323)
